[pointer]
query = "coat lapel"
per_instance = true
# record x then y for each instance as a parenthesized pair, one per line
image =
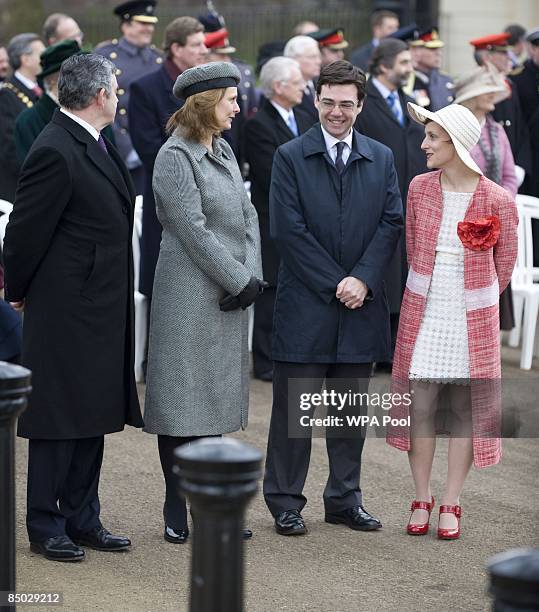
(107, 164)
(376, 98)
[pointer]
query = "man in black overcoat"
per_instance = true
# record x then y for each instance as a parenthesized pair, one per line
(278, 121)
(68, 263)
(384, 118)
(151, 104)
(335, 217)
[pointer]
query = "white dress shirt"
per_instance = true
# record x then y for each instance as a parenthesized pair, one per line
(28, 83)
(282, 111)
(331, 145)
(89, 128)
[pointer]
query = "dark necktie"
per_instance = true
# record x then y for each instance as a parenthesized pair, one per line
(339, 163)
(101, 143)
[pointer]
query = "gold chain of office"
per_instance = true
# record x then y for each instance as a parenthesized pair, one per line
(21, 95)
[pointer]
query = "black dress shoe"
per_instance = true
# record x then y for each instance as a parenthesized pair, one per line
(176, 536)
(247, 534)
(290, 522)
(265, 376)
(355, 518)
(384, 367)
(100, 539)
(58, 548)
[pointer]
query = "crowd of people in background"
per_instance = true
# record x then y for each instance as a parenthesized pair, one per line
(340, 289)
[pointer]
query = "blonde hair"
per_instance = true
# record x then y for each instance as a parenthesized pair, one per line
(196, 118)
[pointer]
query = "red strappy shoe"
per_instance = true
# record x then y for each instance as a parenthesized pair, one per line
(420, 528)
(450, 534)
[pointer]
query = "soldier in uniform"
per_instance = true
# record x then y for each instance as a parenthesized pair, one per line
(134, 56)
(332, 44)
(431, 88)
(494, 49)
(17, 93)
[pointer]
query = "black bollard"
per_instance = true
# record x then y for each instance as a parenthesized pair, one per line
(14, 390)
(218, 476)
(514, 580)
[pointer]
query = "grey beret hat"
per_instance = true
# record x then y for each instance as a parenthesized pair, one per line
(214, 75)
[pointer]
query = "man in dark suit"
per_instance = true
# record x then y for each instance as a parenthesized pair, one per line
(306, 52)
(383, 23)
(17, 93)
(278, 121)
(69, 265)
(151, 104)
(335, 217)
(384, 118)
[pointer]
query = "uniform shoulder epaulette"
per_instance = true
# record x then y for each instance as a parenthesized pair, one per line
(517, 70)
(107, 43)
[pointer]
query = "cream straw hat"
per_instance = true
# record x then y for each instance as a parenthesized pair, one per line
(459, 122)
(483, 80)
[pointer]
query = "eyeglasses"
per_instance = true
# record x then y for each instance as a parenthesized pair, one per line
(345, 106)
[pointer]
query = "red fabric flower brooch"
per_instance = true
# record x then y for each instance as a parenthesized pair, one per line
(481, 234)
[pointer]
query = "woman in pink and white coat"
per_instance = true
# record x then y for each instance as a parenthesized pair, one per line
(461, 241)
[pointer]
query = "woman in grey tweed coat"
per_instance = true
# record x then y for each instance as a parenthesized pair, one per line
(207, 274)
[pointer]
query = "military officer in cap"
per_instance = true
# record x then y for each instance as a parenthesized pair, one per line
(332, 44)
(134, 56)
(428, 76)
(494, 49)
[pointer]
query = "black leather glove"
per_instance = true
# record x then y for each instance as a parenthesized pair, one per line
(246, 296)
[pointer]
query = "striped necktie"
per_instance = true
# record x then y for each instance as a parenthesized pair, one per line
(395, 108)
(291, 122)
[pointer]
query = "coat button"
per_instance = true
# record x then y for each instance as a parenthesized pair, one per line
(113, 55)
(122, 111)
(124, 210)
(120, 92)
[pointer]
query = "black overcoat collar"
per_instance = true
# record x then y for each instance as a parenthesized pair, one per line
(113, 168)
(375, 97)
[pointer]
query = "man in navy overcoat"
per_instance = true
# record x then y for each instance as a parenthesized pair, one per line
(336, 217)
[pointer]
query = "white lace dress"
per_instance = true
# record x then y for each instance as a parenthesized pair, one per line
(441, 348)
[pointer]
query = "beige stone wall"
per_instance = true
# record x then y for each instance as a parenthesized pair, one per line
(463, 20)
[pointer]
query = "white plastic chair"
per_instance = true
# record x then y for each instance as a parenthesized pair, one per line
(5, 208)
(532, 203)
(525, 291)
(141, 301)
